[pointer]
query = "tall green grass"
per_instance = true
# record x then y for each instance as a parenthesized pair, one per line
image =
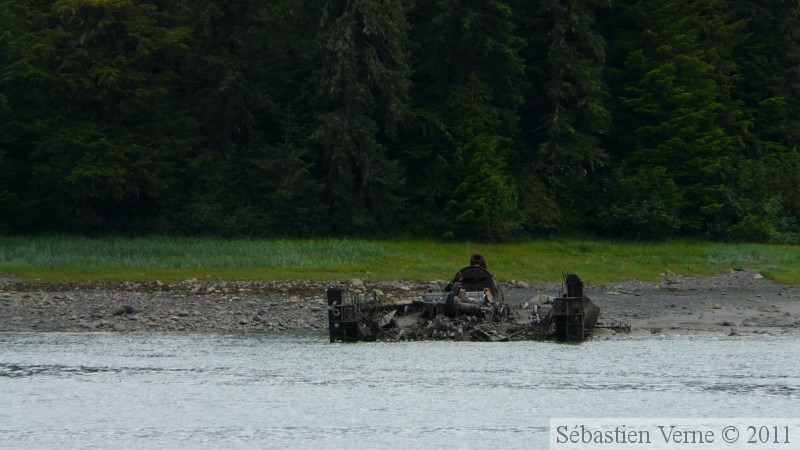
(53, 259)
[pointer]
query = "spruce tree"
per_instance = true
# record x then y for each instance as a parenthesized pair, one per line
(762, 195)
(468, 88)
(99, 77)
(577, 115)
(570, 112)
(8, 198)
(362, 87)
(670, 107)
(233, 107)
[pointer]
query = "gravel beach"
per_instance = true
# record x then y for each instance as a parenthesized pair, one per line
(739, 302)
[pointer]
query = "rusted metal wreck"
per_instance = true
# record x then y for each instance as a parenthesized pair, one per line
(470, 308)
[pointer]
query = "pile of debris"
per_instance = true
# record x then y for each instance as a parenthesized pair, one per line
(471, 308)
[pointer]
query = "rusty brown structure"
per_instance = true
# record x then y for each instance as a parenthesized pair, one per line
(470, 308)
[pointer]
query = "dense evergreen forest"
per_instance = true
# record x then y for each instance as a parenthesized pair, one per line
(478, 119)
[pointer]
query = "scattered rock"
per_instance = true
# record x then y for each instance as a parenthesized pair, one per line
(717, 306)
(124, 309)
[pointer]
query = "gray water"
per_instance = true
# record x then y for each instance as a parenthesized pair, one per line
(61, 390)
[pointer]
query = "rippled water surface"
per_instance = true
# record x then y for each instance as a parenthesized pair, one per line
(60, 390)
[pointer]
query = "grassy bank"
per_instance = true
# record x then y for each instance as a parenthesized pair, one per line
(55, 259)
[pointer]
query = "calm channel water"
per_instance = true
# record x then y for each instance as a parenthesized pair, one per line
(62, 390)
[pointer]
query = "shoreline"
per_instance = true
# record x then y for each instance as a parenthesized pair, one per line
(734, 303)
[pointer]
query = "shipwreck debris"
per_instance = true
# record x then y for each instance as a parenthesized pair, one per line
(470, 308)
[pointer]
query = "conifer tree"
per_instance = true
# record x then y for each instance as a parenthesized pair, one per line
(100, 75)
(670, 112)
(362, 87)
(575, 90)
(469, 90)
(233, 108)
(8, 199)
(768, 60)
(570, 112)
(763, 183)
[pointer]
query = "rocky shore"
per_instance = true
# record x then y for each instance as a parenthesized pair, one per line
(736, 303)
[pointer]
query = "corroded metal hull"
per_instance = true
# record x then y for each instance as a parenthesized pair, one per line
(470, 308)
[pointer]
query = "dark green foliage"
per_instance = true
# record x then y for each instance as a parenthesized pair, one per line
(362, 86)
(673, 108)
(239, 164)
(468, 119)
(575, 90)
(763, 181)
(642, 204)
(483, 202)
(102, 74)
(569, 114)
(8, 199)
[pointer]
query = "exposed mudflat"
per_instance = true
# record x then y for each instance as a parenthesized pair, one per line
(738, 302)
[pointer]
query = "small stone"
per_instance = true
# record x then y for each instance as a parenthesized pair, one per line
(758, 276)
(124, 309)
(182, 313)
(717, 306)
(523, 285)
(357, 282)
